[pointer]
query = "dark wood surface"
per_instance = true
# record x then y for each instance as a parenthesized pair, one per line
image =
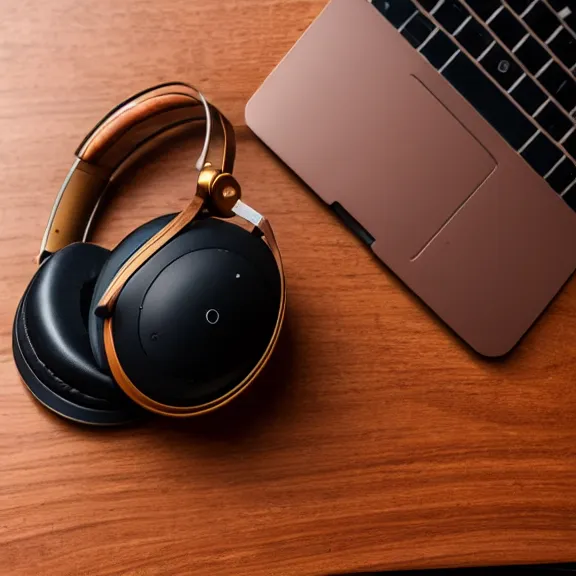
(375, 439)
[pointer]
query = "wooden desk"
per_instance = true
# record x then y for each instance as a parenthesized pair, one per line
(376, 440)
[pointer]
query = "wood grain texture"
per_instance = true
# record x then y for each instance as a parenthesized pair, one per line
(374, 440)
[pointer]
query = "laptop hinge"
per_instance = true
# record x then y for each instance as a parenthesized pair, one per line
(353, 224)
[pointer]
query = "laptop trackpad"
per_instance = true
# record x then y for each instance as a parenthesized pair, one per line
(429, 166)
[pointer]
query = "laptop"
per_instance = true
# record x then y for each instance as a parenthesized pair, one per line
(443, 133)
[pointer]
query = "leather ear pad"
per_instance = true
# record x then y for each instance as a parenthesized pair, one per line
(53, 325)
(51, 346)
(117, 257)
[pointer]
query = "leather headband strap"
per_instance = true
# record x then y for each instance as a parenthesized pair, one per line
(124, 133)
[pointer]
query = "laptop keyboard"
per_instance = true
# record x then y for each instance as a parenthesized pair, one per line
(515, 62)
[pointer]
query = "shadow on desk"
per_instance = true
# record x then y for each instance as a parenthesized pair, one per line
(252, 411)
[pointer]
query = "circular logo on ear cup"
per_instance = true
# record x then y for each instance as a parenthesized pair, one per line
(212, 316)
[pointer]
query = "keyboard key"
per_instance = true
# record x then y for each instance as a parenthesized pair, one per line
(541, 154)
(564, 46)
(475, 38)
(542, 20)
(532, 55)
(563, 175)
(490, 102)
(566, 96)
(554, 121)
(570, 145)
(570, 21)
(428, 4)
(500, 65)
(558, 4)
(507, 27)
(439, 49)
(528, 95)
(451, 14)
(570, 197)
(484, 8)
(554, 78)
(519, 5)
(396, 11)
(417, 30)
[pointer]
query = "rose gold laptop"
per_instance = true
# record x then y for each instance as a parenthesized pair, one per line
(443, 133)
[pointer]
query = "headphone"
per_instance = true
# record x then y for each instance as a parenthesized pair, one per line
(183, 314)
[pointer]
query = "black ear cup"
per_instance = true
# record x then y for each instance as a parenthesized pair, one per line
(117, 257)
(51, 343)
(193, 322)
